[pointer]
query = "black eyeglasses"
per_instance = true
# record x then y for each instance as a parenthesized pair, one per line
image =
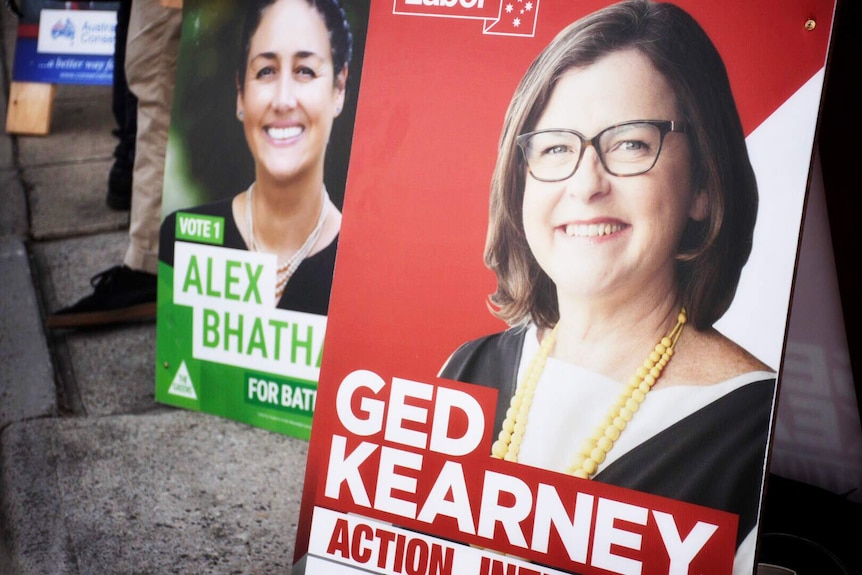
(626, 149)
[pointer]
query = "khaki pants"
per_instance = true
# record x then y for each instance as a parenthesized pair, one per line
(151, 66)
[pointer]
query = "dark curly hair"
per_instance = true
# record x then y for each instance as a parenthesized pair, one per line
(334, 17)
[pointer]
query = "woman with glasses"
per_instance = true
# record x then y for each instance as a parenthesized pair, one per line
(622, 211)
(290, 88)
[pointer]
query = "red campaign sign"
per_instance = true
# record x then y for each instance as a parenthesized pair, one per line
(410, 286)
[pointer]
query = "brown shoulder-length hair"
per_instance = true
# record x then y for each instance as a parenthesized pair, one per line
(712, 252)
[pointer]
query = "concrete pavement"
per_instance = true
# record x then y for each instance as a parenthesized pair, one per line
(95, 476)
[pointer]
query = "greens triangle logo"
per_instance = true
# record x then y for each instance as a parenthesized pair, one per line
(182, 384)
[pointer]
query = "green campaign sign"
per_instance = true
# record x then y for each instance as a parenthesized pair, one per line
(255, 171)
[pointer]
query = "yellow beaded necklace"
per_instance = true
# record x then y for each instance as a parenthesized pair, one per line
(596, 447)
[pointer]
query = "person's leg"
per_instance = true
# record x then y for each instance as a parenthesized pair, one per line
(128, 292)
(125, 108)
(151, 65)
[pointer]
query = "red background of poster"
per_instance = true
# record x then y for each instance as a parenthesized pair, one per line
(410, 285)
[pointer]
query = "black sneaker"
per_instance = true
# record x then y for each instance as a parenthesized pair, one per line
(120, 294)
(119, 187)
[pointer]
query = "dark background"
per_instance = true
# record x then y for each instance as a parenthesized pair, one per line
(805, 528)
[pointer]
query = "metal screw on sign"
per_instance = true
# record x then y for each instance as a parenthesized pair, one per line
(810, 24)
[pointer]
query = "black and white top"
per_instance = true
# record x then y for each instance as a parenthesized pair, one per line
(705, 445)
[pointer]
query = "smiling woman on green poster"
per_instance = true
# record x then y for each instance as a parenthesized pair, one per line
(257, 158)
(291, 86)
